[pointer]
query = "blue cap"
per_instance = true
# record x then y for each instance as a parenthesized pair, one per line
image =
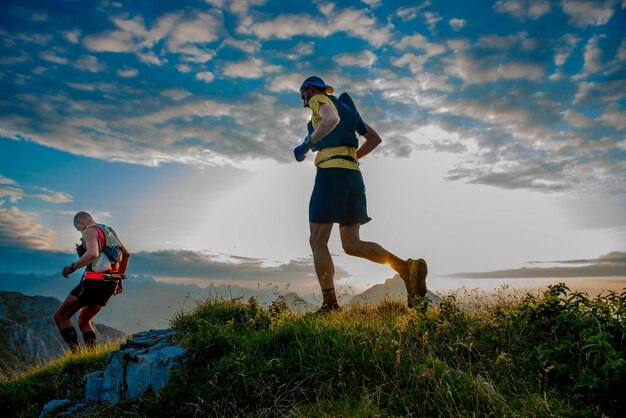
(317, 82)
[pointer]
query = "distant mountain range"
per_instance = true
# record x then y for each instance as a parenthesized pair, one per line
(148, 304)
(145, 303)
(28, 334)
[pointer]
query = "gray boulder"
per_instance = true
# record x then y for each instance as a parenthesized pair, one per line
(142, 364)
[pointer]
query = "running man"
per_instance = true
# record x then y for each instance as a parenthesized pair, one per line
(339, 193)
(101, 280)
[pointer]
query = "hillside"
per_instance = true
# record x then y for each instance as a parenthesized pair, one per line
(28, 334)
(554, 354)
(146, 303)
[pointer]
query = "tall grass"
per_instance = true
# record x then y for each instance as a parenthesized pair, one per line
(554, 353)
(25, 395)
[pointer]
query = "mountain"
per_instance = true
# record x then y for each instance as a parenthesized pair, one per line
(392, 289)
(146, 303)
(28, 334)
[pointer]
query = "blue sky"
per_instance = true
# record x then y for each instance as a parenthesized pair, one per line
(175, 122)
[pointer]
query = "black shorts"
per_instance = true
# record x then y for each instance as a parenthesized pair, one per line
(338, 197)
(94, 292)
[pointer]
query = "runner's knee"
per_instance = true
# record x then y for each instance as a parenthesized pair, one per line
(351, 247)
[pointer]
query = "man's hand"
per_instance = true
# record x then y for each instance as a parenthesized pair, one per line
(118, 289)
(67, 270)
(300, 151)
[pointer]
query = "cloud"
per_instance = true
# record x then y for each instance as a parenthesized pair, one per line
(72, 36)
(419, 42)
(360, 59)
(583, 13)
(457, 24)
(576, 119)
(21, 229)
(53, 58)
(357, 23)
(615, 115)
(286, 82)
(205, 76)
(181, 32)
(250, 68)
(89, 63)
(564, 48)
(432, 18)
(592, 56)
(175, 94)
(14, 191)
(522, 9)
(127, 72)
(410, 13)
(612, 264)
(487, 69)
(177, 264)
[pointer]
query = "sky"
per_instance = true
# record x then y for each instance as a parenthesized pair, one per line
(503, 126)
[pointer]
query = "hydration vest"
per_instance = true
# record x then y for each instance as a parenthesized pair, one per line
(110, 252)
(349, 122)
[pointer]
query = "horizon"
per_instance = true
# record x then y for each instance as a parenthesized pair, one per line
(502, 124)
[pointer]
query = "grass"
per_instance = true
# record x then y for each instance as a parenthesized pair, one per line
(557, 353)
(25, 395)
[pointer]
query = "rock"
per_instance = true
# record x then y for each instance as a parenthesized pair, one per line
(143, 363)
(55, 406)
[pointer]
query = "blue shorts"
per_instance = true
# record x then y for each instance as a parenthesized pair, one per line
(338, 197)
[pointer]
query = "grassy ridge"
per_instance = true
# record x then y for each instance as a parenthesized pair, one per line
(554, 354)
(58, 379)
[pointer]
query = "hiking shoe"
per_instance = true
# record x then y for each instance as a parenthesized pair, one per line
(416, 284)
(326, 308)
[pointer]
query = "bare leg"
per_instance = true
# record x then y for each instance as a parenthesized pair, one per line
(63, 315)
(324, 267)
(352, 245)
(63, 320)
(86, 327)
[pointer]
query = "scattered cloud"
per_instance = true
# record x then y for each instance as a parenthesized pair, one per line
(89, 63)
(615, 115)
(612, 264)
(205, 76)
(53, 58)
(359, 59)
(357, 23)
(14, 191)
(583, 13)
(20, 229)
(72, 36)
(127, 72)
(457, 24)
(523, 9)
(420, 42)
(176, 94)
(410, 13)
(251, 68)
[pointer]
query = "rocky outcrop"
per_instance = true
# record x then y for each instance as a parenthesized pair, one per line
(142, 364)
(28, 334)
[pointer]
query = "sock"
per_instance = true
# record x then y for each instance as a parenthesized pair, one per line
(90, 339)
(70, 337)
(330, 298)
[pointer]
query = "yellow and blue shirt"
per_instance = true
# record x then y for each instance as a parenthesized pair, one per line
(314, 104)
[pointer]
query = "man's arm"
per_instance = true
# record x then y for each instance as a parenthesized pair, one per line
(372, 140)
(125, 260)
(330, 119)
(90, 238)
